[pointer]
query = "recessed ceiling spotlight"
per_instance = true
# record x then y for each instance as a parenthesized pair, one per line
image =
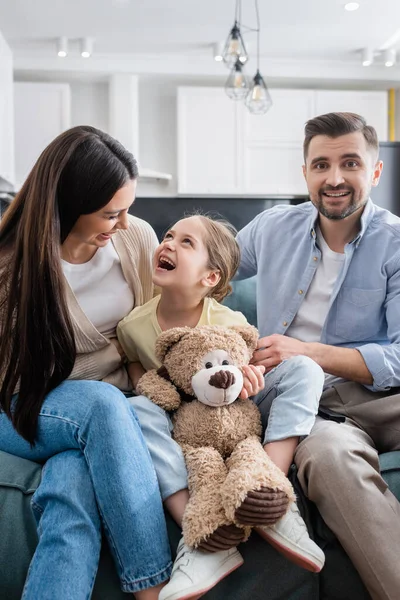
(218, 49)
(389, 57)
(86, 47)
(352, 6)
(62, 47)
(367, 57)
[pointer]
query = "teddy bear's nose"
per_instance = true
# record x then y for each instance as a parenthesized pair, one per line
(222, 379)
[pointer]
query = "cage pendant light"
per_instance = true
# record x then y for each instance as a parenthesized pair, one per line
(237, 86)
(234, 48)
(258, 99)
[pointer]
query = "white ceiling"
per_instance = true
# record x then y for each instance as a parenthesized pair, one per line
(291, 30)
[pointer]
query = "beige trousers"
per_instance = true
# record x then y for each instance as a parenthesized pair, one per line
(339, 471)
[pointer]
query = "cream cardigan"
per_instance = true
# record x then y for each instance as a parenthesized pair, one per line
(97, 358)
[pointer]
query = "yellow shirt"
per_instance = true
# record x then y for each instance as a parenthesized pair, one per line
(138, 332)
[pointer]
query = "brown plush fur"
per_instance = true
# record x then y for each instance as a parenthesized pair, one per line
(224, 456)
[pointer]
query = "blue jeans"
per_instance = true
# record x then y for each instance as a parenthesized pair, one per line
(289, 401)
(288, 405)
(97, 475)
(166, 454)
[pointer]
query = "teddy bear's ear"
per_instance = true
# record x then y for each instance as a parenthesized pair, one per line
(167, 339)
(249, 334)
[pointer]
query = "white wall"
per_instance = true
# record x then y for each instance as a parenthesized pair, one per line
(89, 104)
(157, 135)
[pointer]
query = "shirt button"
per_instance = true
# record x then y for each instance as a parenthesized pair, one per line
(315, 258)
(300, 292)
(285, 323)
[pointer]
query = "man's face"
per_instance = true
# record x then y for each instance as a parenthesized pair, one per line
(340, 173)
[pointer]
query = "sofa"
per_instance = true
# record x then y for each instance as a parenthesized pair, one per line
(265, 574)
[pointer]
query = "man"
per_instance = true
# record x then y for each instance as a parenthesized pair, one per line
(328, 287)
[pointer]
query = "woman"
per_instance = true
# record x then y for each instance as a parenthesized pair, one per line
(72, 264)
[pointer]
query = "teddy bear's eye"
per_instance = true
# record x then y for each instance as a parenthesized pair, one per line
(209, 365)
(225, 362)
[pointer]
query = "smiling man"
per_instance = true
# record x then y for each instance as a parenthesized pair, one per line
(328, 287)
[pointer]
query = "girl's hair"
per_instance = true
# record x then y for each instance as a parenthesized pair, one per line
(223, 252)
(77, 174)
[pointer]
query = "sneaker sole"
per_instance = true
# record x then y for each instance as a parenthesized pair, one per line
(310, 564)
(196, 593)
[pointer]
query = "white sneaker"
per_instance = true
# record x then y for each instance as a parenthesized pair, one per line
(289, 536)
(195, 572)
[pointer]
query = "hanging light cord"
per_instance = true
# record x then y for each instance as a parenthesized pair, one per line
(258, 34)
(237, 13)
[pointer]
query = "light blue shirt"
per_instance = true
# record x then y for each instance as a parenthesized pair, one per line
(279, 246)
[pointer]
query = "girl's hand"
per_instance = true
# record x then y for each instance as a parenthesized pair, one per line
(253, 380)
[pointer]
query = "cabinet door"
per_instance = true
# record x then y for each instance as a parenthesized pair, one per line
(207, 142)
(372, 105)
(6, 113)
(271, 144)
(42, 111)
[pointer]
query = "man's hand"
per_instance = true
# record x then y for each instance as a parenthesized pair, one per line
(223, 538)
(273, 349)
(263, 507)
(253, 380)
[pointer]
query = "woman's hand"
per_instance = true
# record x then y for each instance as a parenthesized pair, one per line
(253, 380)
(115, 342)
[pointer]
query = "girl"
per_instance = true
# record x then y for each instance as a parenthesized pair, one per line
(193, 267)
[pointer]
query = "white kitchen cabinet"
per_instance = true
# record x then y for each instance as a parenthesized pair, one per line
(224, 149)
(42, 111)
(271, 144)
(207, 142)
(6, 113)
(372, 105)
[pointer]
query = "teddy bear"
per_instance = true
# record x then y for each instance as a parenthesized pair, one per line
(200, 380)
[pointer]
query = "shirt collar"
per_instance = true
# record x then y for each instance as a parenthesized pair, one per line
(366, 218)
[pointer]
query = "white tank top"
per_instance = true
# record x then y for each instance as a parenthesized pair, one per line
(101, 289)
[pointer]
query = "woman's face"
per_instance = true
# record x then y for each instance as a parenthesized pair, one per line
(97, 228)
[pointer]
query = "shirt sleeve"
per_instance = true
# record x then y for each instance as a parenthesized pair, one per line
(383, 361)
(248, 259)
(126, 339)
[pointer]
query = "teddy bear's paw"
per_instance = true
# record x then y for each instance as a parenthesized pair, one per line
(204, 514)
(250, 470)
(224, 538)
(262, 507)
(161, 392)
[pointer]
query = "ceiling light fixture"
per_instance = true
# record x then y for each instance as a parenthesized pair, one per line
(62, 47)
(86, 47)
(367, 57)
(350, 6)
(218, 49)
(235, 49)
(389, 57)
(258, 99)
(237, 86)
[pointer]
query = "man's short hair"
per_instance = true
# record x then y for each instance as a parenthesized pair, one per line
(336, 124)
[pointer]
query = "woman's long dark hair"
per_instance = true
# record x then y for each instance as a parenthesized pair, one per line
(77, 174)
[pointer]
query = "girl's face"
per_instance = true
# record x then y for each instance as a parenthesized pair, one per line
(181, 260)
(97, 228)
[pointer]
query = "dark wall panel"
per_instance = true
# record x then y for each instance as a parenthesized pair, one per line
(163, 212)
